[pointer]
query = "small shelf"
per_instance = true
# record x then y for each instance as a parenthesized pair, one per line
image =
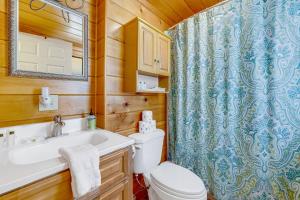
(151, 83)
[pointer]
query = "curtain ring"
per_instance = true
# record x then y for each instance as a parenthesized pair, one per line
(36, 9)
(77, 8)
(67, 19)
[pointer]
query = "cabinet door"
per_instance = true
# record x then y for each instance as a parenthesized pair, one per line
(147, 49)
(163, 55)
(118, 192)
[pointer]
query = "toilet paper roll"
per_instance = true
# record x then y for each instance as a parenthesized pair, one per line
(147, 127)
(147, 115)
(142, 85)
(152, 125)
(144, 127)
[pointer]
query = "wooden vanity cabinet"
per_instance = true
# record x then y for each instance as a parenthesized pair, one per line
(147, 52)
(116, 178)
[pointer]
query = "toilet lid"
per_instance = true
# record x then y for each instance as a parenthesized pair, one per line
(178, 179)
(141, 138)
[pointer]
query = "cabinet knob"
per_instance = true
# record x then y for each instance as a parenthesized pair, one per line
(155, 60)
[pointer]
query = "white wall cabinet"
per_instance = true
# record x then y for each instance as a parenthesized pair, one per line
(147, 53)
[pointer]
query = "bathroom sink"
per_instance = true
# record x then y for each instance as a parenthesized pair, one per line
(48, 149)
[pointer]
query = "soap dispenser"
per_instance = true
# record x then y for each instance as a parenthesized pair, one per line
(91, 121)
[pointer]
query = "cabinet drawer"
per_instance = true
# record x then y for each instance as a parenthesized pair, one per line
(118, 192)
(113, 170)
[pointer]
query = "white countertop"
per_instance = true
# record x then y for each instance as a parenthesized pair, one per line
(13, 176)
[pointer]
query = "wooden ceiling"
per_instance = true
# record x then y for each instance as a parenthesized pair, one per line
(174, 11)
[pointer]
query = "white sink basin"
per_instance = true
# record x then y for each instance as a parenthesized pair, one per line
(48, 149)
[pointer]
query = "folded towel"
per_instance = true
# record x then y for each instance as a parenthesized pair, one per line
(83, 162)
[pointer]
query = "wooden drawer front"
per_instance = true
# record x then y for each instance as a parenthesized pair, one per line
(54, 188)
(113, 170)
(118, 192)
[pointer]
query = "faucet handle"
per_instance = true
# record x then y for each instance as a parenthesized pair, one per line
(57, 118)
(62, 123)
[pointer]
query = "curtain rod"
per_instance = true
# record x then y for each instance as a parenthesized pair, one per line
(218, 4)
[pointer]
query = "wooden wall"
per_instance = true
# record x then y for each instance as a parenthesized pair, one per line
(19, 96)
(123, 110)
(116, 110)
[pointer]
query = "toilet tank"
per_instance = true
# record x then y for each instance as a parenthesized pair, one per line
(148, 150)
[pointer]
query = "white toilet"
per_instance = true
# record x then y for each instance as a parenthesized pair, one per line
(166, 181)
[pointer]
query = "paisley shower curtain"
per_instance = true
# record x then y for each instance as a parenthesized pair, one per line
(234, 103)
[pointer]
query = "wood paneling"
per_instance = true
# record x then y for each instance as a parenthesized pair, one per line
(129, 120)
(115, 30)
(19, 96)
(177, 10)
(25, 86)
(115, 48)
(116, 67)
(100, 56)
(123, 104)
(16, 108)
(3, 53)
(3, 27)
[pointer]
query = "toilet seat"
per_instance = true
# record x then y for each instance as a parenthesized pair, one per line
(177, 182)
(177, 194)
(164, 195)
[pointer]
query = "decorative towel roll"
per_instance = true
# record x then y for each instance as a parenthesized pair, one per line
(147, 127)
(152, 125)
(147, 115)
(144, 127)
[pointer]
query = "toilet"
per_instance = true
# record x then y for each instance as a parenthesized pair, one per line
(166, 181)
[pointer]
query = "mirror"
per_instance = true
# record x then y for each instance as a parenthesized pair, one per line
(48, 40)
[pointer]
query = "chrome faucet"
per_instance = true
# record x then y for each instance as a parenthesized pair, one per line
(58, 124)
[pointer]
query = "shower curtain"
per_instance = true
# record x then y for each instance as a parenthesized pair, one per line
(234, 102)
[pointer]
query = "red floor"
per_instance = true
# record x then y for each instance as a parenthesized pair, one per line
(140, 193)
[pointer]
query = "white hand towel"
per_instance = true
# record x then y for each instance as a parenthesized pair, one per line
(83, 162)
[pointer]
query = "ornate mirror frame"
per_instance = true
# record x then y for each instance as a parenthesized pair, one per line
(13, 22)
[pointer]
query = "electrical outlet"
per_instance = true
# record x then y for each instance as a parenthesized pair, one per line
(53, 105)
